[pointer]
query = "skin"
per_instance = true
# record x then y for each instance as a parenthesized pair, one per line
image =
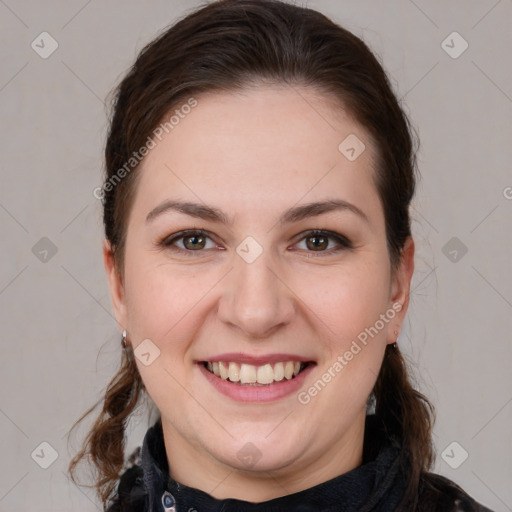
(254, 154)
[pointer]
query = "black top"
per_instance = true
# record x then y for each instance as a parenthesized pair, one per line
(377, 485)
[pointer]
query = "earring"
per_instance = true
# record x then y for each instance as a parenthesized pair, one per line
(123, 340)
(394, 345)
(371, 402)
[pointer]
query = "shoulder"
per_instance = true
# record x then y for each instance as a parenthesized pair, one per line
(438, 493)
(130, 492)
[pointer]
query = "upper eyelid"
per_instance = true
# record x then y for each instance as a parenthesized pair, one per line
(187, 232)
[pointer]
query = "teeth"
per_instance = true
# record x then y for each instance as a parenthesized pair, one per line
(223, 370)
(279, 371)
(234, 372)
(250, 374)
(288, 369)
(247, 374)
(265, 374)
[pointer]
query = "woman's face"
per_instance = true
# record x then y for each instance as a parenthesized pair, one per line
(255, 295)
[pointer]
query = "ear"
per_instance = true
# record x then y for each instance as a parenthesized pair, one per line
(400, 288)
(116, 285)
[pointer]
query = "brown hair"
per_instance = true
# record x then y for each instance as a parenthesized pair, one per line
(225, 46)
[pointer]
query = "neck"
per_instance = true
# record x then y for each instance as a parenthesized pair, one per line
(192, 466)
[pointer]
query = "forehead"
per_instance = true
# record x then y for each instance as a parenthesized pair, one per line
(260, 149)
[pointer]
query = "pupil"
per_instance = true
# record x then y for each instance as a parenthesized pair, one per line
(194, 244)
(320, 244)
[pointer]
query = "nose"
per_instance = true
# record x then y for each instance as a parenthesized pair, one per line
(256, 298)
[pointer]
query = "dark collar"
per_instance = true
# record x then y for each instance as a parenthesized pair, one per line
(377, 482)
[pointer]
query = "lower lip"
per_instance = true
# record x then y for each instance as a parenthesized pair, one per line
(261, 393)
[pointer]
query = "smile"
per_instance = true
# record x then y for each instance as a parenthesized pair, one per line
(250, 378)
(249, 374)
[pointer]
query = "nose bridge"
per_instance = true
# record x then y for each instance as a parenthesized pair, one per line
(255, 300)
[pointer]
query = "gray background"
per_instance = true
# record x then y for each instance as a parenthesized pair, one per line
(59, 342)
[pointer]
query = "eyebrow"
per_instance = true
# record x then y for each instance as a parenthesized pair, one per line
(295, 214)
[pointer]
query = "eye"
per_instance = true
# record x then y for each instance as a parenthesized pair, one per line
(195, 240)
(317, 241)
(192, 241)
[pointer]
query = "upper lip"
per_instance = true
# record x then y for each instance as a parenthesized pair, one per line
(238, 357)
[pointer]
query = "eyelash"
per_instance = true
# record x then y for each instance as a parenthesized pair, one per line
(344, 243)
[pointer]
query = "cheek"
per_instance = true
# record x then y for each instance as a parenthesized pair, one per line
(163, 306)
(160, 298)
(347, 300)
(353, 315)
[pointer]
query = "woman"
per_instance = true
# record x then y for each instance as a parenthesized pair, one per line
(259, 256)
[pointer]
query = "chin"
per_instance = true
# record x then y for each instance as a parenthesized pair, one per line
(257, 454)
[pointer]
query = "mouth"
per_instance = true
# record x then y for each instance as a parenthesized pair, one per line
(268, 374)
